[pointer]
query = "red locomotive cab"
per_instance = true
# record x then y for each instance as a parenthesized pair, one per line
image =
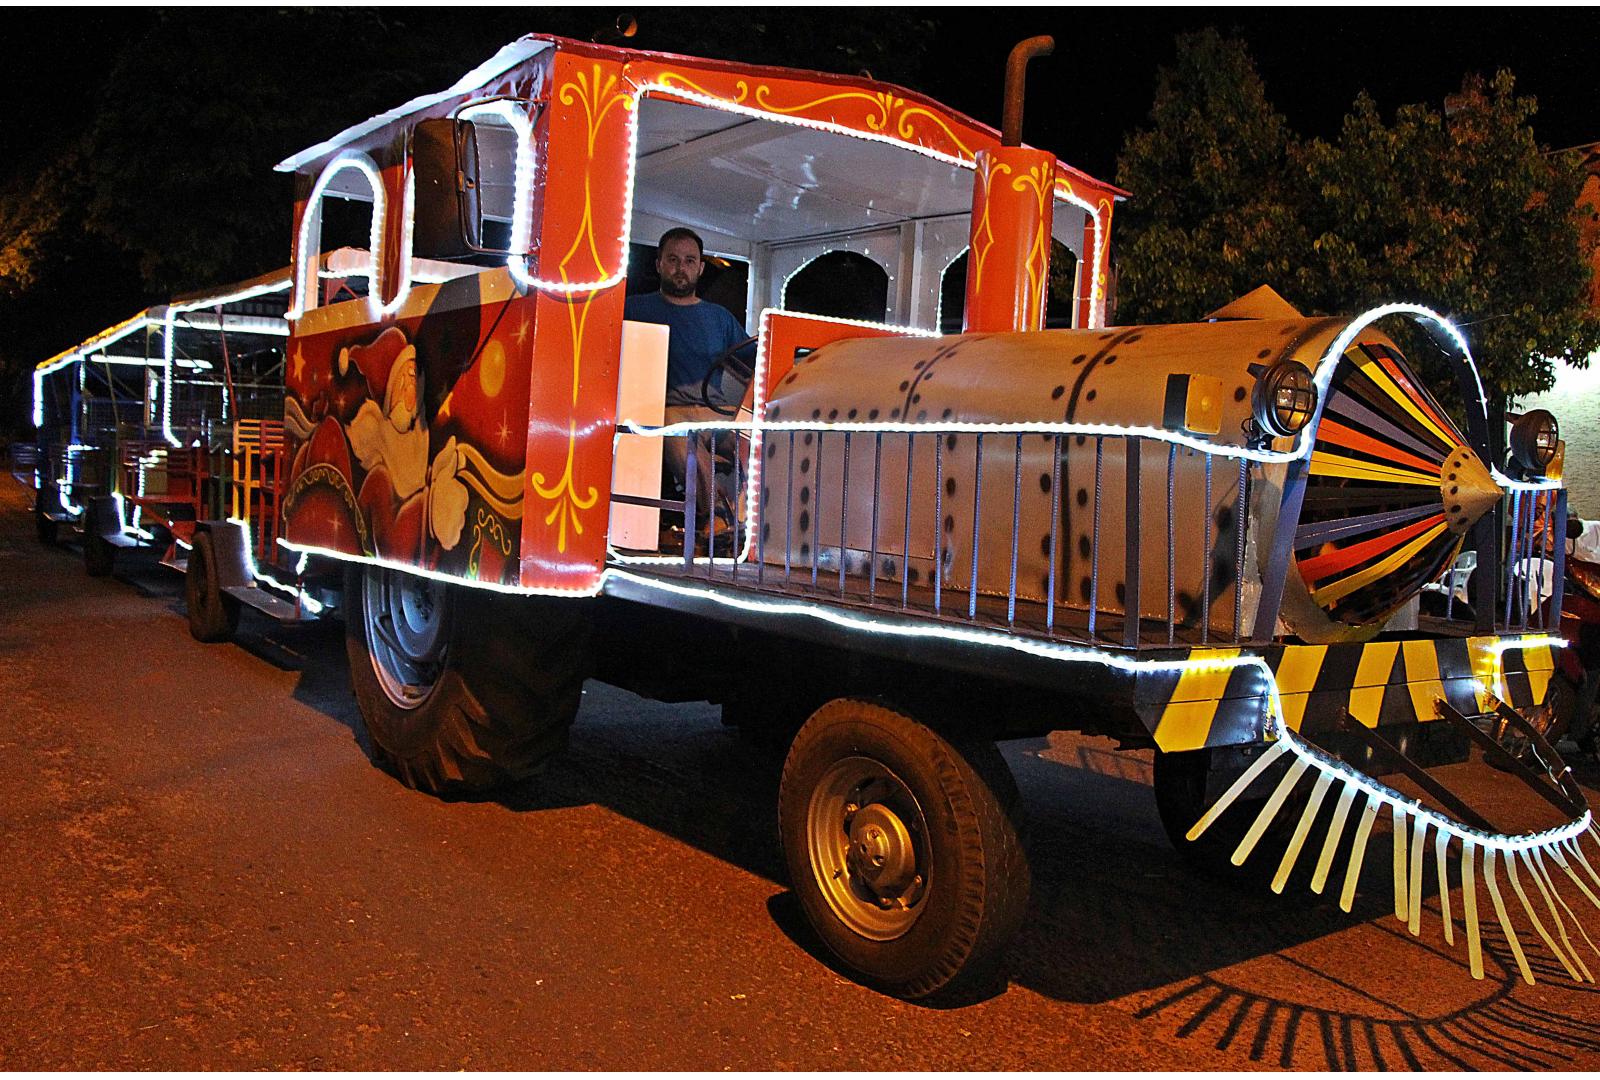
(452, 403)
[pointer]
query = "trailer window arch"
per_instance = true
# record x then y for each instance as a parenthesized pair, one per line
(1062, 301)
(341, 235)
(840, 284)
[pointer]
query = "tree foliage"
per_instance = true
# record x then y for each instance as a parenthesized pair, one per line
(1213, 212)
(1464, 213)
(150, 172)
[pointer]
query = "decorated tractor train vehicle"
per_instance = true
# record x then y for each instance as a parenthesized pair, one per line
(892, 545)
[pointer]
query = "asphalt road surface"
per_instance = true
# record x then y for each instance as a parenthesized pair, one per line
(200, 869)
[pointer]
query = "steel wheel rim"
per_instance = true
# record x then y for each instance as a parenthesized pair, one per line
(405, 618)
(867, 840)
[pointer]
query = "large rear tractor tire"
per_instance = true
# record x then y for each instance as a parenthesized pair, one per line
(462, 689)
(213, 614)
(903, 849)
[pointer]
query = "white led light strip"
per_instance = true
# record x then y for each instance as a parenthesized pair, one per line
(169, 344)
(1412, 820)
(79, 353)
(1096, 305)
(1302, 445)
(69, 473)
(449, 579)
(521, 226)
(1278, 728)
(312, 217)
(311, 604)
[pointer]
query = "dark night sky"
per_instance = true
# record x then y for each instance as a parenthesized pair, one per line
(1083, 99)
(1314, 61)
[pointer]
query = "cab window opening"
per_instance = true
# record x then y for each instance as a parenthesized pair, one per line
(338, 236)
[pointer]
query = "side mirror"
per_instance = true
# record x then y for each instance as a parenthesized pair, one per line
(444, 162)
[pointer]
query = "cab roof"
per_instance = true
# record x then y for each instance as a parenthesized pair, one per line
(517, 60)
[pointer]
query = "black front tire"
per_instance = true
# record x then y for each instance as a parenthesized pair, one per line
(972, 879)
(213, 614)
(1180, 780)
(506, 688)
(47, 527)
(99, 557)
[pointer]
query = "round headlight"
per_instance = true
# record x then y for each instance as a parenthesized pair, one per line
(1285, 398)
(1534, 439)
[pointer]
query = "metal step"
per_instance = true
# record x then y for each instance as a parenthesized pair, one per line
(272, 604)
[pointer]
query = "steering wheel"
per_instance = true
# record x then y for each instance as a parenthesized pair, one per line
(730, 363)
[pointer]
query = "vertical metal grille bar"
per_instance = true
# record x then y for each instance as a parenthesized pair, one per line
(1545, 537)
(877, 490)
(1094, 548)
(1238, 554)
(977, 518)
(788, 516)
(733, 507)
(1205, 564)
(938, 520)
(711, 503)
(1172, 546)
(1557, 509)
(1544, 550)
(711, 508)
(844, 509)
(1016, 529)
(1530, 592)
(1511, 561)
(816, 514)
(1055, 523)
(758, 510)
(691, 476)
(905, 543)
(1132, 559)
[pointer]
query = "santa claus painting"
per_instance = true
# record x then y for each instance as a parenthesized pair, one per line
(407, 438)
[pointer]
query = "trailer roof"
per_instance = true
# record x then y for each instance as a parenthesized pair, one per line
(250, 288)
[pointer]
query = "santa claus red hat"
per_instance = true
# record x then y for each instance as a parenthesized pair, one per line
(375, 360)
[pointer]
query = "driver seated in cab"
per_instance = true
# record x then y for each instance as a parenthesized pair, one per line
(701, 333)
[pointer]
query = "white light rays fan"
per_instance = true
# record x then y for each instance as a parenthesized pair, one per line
(1471, 849)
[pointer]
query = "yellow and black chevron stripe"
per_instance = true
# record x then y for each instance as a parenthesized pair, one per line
(1378, 683)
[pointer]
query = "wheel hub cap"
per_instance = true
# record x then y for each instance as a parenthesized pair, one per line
(405, 619)
(880, 851)
(869, 851)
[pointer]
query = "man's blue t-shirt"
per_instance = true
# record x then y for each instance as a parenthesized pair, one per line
(700, 333)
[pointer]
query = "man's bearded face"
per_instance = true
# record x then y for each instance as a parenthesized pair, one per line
(679, 265)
